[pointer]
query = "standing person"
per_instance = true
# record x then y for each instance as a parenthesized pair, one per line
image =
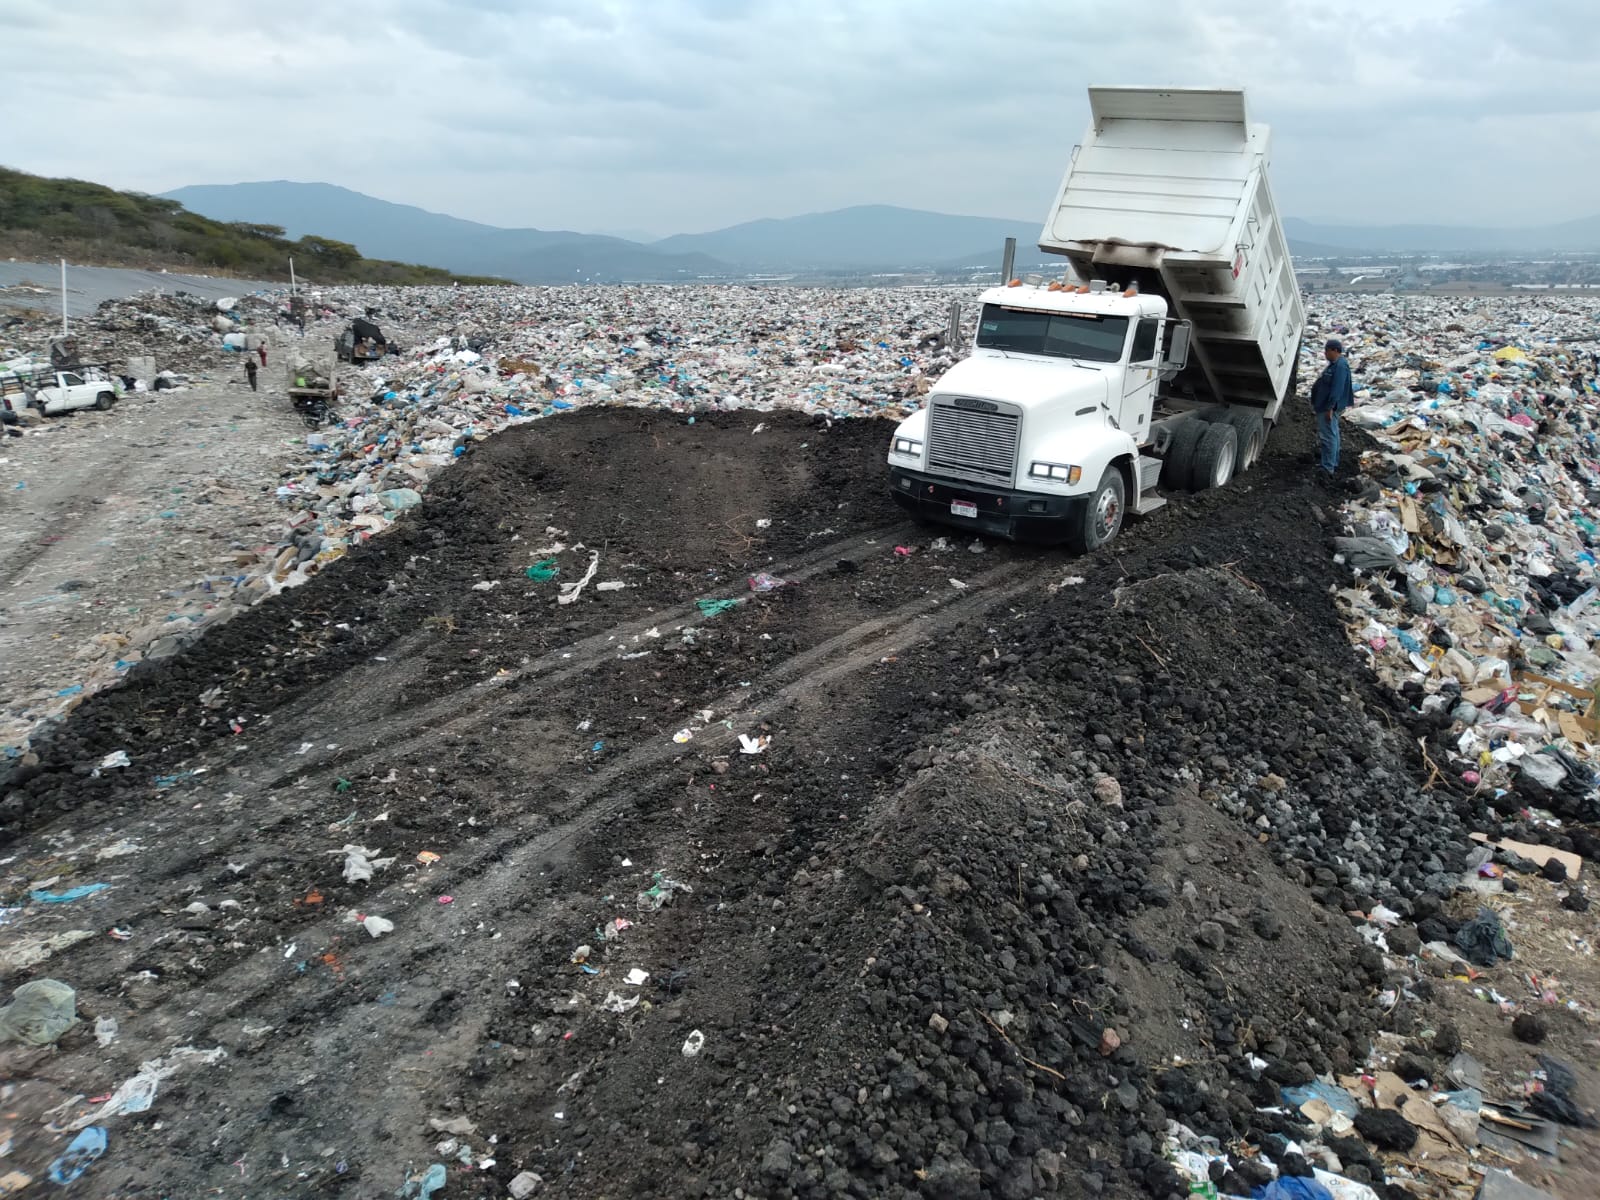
(262, 350)
(1331, 394)
(250, 372)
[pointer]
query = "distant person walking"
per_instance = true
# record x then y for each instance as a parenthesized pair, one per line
(1331, 394)
(250, 372)
(262, 350)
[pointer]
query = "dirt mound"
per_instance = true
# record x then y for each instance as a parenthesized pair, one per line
(834, 890)
(672, 506)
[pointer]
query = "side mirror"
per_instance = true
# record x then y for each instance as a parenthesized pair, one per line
(1177, 356)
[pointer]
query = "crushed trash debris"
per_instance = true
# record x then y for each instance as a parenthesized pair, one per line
(138, 1093)
(39, 1013)
(360, 863)
(377, 926)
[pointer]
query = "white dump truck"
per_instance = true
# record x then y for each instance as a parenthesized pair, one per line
(1160, 359)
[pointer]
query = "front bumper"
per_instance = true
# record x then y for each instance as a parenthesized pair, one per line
(1006, 513)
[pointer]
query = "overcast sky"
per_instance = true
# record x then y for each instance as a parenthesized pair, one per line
(667, 116)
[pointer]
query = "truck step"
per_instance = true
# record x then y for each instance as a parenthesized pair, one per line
(1148, 503)
(1149, 472)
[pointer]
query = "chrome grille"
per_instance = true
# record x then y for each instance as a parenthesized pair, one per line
(973, 444)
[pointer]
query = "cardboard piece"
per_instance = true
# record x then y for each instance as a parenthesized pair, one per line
(1393, 1092)
(1574, 729)
(1536, 854)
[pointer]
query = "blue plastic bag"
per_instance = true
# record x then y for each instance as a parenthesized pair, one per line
(86, 1147)
(77, 893)
(1292, 1187)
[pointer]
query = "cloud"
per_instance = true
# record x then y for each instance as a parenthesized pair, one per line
(675, 115)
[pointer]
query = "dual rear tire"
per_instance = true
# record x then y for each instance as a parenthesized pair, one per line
(1202, 455)
(1207, 452)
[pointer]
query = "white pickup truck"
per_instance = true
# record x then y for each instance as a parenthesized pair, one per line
(55, 392)
(1162, 356)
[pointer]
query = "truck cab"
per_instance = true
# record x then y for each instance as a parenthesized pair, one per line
(1160, 358)
(1040, 432)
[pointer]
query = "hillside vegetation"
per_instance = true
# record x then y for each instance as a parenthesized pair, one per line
(97, 225)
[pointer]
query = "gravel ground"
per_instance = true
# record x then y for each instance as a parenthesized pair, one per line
(109, 515)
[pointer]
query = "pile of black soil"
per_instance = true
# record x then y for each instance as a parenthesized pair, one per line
(952, 872)
(672, 506)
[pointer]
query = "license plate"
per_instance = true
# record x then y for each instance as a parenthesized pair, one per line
(963, 508)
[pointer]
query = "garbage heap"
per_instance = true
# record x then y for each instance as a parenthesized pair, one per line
(1472, 542)
(155, 335)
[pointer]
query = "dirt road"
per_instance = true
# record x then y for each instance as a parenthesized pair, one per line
(111, 520)
(832, 890)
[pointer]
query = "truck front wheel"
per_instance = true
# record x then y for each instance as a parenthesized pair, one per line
(1102, 516)
(1215, 458)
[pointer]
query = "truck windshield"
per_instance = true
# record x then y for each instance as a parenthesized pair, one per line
(1087, 336)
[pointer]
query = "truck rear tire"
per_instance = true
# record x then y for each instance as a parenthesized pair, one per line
(1179, 461)
(1102, 516)
(1215, 458)
(104, 401)
(1252, 434)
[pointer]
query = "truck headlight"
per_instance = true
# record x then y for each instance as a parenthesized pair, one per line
(1056, 472)
(905, 445)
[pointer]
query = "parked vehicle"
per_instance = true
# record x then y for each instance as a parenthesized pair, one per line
(1161, 358)
(56, 392)
(313, 389)
(363, 342)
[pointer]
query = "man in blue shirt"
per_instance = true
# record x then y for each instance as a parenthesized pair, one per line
(1331, 394)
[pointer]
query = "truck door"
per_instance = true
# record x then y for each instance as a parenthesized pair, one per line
(76, 391)
(1139, 381)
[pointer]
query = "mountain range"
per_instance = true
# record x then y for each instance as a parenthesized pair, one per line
(859, 240)
(863, 239)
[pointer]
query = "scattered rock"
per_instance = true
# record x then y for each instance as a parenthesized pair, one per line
(778, 1161)
(1404, 940)
(1411, 1068)
(1386, 1129)
(1447, 1041)
(1530, 1028)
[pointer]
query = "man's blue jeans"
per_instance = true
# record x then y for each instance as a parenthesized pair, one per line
(1328, 440)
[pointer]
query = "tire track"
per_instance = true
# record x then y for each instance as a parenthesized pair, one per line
(408, 730)
(495, 867)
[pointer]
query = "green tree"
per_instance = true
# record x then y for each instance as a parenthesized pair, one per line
(251, 229)
(340, 256)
